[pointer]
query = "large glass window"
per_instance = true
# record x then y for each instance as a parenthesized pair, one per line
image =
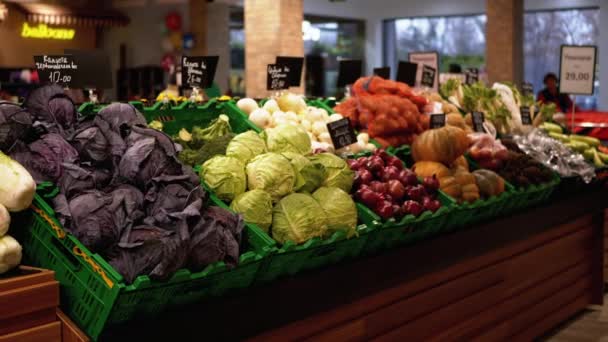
(459, 40)
(546, 31)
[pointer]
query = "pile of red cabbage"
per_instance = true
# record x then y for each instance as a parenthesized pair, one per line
(123, 192)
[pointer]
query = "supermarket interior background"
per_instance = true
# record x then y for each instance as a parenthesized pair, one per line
(310, 170)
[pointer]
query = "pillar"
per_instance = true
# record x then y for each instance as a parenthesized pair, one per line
(504, 40)
(218, 40)
(198, 26)
(272, 28)
(603, 58)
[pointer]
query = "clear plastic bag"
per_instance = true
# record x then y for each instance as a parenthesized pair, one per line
(555, 155)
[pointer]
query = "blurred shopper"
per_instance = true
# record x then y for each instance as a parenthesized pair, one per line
(551, 94)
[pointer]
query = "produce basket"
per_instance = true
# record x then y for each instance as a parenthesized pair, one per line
(533, 194)
(94, 295)
(290, 258)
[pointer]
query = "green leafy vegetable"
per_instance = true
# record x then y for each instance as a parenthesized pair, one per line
(256, 207)
(245, 146)
(340, 209)
(225, 176)
(338, 173)
(217, 128)
(288, 138)
(310, 175)
(298, 218)
(273, 173)
(214, 147)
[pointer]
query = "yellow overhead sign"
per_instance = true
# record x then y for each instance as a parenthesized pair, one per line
(44, 32)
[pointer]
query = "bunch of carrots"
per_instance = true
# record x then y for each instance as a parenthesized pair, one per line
(387, 110)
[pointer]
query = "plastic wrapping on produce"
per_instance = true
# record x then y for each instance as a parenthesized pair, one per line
(554, 154)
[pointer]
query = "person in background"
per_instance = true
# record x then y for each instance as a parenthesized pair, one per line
(551, 94)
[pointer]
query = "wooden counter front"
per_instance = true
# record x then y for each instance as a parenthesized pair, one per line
(510, 279)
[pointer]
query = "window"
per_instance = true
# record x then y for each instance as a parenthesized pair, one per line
(546, 31)
(458, 40)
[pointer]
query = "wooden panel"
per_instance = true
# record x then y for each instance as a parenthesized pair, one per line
(29, 299)
(48, 333)
(28, 320)
(69, 330)
(26, 276)
(353, 331)
(511, 306)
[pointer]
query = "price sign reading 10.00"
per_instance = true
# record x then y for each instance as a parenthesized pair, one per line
(59, 69)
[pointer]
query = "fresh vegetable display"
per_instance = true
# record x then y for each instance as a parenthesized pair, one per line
(488, 152)
(282, 187)
(384, 185)
(387, 110)
(589, 147)
(290, 108)
(123, 191)
(201, 144)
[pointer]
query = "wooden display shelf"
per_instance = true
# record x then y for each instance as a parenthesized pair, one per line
(514, 278)
(29, 297)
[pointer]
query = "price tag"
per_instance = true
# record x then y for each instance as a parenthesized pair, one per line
(577, 70)
(277, 77)
(341, 133)
(384, 72)
(478, 119)
(471, 75)
(526, 117)
(199, 71)
(60, 69)
(429, 59)
(406, 73)
(94, 69)
(527, 89)
(295, 66)
(428, 76)
(349, 70)
(437, 120)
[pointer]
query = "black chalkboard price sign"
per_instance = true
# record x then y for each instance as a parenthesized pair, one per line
(384, 72)
(295, 66)
(437, 120)
(526, 118)
(527, 89)
(277, 77)
(199, 71)
(428, 76)
(341, 133)
(61, 69)
(471, 75)
(478, 119)
(406, 73)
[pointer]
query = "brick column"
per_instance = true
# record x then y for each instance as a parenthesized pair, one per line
(272, 28)
(504, 40)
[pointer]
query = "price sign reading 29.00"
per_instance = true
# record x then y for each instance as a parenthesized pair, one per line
(56, 69)
(577, 70)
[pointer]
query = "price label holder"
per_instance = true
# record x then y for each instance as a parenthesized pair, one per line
(384, 72)
(294, 69)
(577, 71)
(60, 69)
(428, 76)
(277, 78)
(199, 71)
(478, 120)
(428, 59)
(471, 75)
(406, 73)
(437, 120)
(527, 89)
(526, 117)
(349, 70)
(341, 133)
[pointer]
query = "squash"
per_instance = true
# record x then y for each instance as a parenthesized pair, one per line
(17, 187)
(456, 120)
(468, 183)
(429, 169)
(450, 186)
(441, 145)
(489, 182)
(461, 162)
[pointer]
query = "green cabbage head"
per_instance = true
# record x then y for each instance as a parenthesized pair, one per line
(338, 173)
(245, 146)
(288, 138)
(298, 218)
(339, 208)
(272, 173)
(310, 175)
(225, 176)
(256, 207)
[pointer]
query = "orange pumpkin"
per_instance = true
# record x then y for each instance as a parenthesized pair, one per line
(429, 169)
(441, 145)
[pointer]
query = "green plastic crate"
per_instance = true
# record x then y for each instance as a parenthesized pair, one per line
(95, 296)
(534, 194)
